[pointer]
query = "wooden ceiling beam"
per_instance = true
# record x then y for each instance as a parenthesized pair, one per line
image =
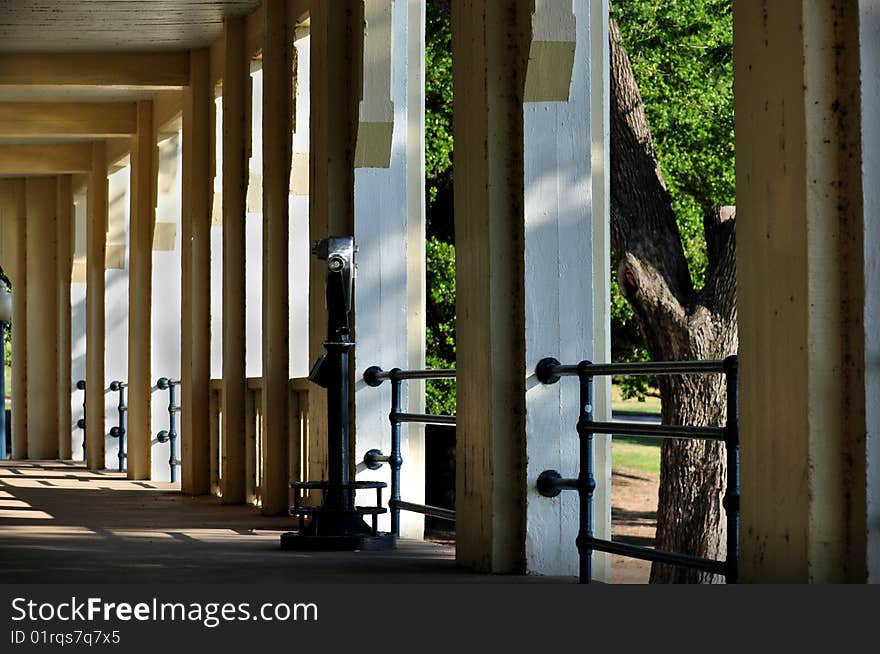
(45, 158)
(147, 70)
(67, 119)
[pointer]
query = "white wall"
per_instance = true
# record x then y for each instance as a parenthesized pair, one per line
(166, 309)
(78, 329)
(116, 317)
(559, 303)
(381, 293)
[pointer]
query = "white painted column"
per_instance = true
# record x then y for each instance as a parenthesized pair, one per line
(600, 69)
(78, 324)
(96, 306)
(559, 293)
(412, 524)
(299, 244)
(382, 234)
(116, 307)
(166, 300)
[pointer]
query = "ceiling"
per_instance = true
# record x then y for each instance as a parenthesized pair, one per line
(114, 25)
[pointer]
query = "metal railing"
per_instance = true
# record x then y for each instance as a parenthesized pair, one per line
(81, 423)
(170, 435)
(550, 483)
(118, 431)
(373, 459)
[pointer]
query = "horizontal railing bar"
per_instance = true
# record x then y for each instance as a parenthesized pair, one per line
(423, 418)
(423, 374)
(660, 556)
(374, 376)
(432, 511)
(645, 368)
(657, 431)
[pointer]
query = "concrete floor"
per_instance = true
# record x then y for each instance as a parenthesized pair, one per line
(60, 523)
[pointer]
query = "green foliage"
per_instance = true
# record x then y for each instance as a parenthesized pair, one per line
(440, 248)
(438, 104)
(682, 58)
(438, 124)
(440, 323)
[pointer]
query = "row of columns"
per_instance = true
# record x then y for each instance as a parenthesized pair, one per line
(37, 214)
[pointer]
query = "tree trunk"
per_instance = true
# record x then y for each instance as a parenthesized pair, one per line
(677, 321)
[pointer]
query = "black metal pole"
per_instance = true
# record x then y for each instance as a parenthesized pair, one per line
(81, 423)
(119, 430)
(337, 524)
(731, 495)
(586, 478)
(172, 432)
(170, 435)
(395, 460)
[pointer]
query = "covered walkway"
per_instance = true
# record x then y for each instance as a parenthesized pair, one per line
(145, 531)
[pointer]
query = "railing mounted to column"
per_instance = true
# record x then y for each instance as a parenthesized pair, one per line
(81, 423)
(118, 431)
(373, 459)
(170, 435)
(550, 483)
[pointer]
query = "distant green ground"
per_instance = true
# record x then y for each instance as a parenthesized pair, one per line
(634, 452)
(651, 404)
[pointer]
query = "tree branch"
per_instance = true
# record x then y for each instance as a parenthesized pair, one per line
(644, 231)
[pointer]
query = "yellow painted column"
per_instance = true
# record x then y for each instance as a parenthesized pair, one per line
(96, 257)
(334, 32)
(65, 239)
(140, 295)
(42, 328)
(18, 215)
(277, 149)
(489, 39)
(197, 194)
(807, 283)
(235, 176)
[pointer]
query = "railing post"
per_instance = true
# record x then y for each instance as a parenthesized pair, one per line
(731, 445)
(81, 423)
(170, 435)
(395, 460)
(586, 480)
(119, 430)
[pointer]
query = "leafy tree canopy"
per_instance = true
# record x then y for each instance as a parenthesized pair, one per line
(682, 58)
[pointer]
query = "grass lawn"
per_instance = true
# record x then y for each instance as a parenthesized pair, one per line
(636, 453)
(651, 404)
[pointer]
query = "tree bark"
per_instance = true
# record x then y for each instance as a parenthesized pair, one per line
(677, 321)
